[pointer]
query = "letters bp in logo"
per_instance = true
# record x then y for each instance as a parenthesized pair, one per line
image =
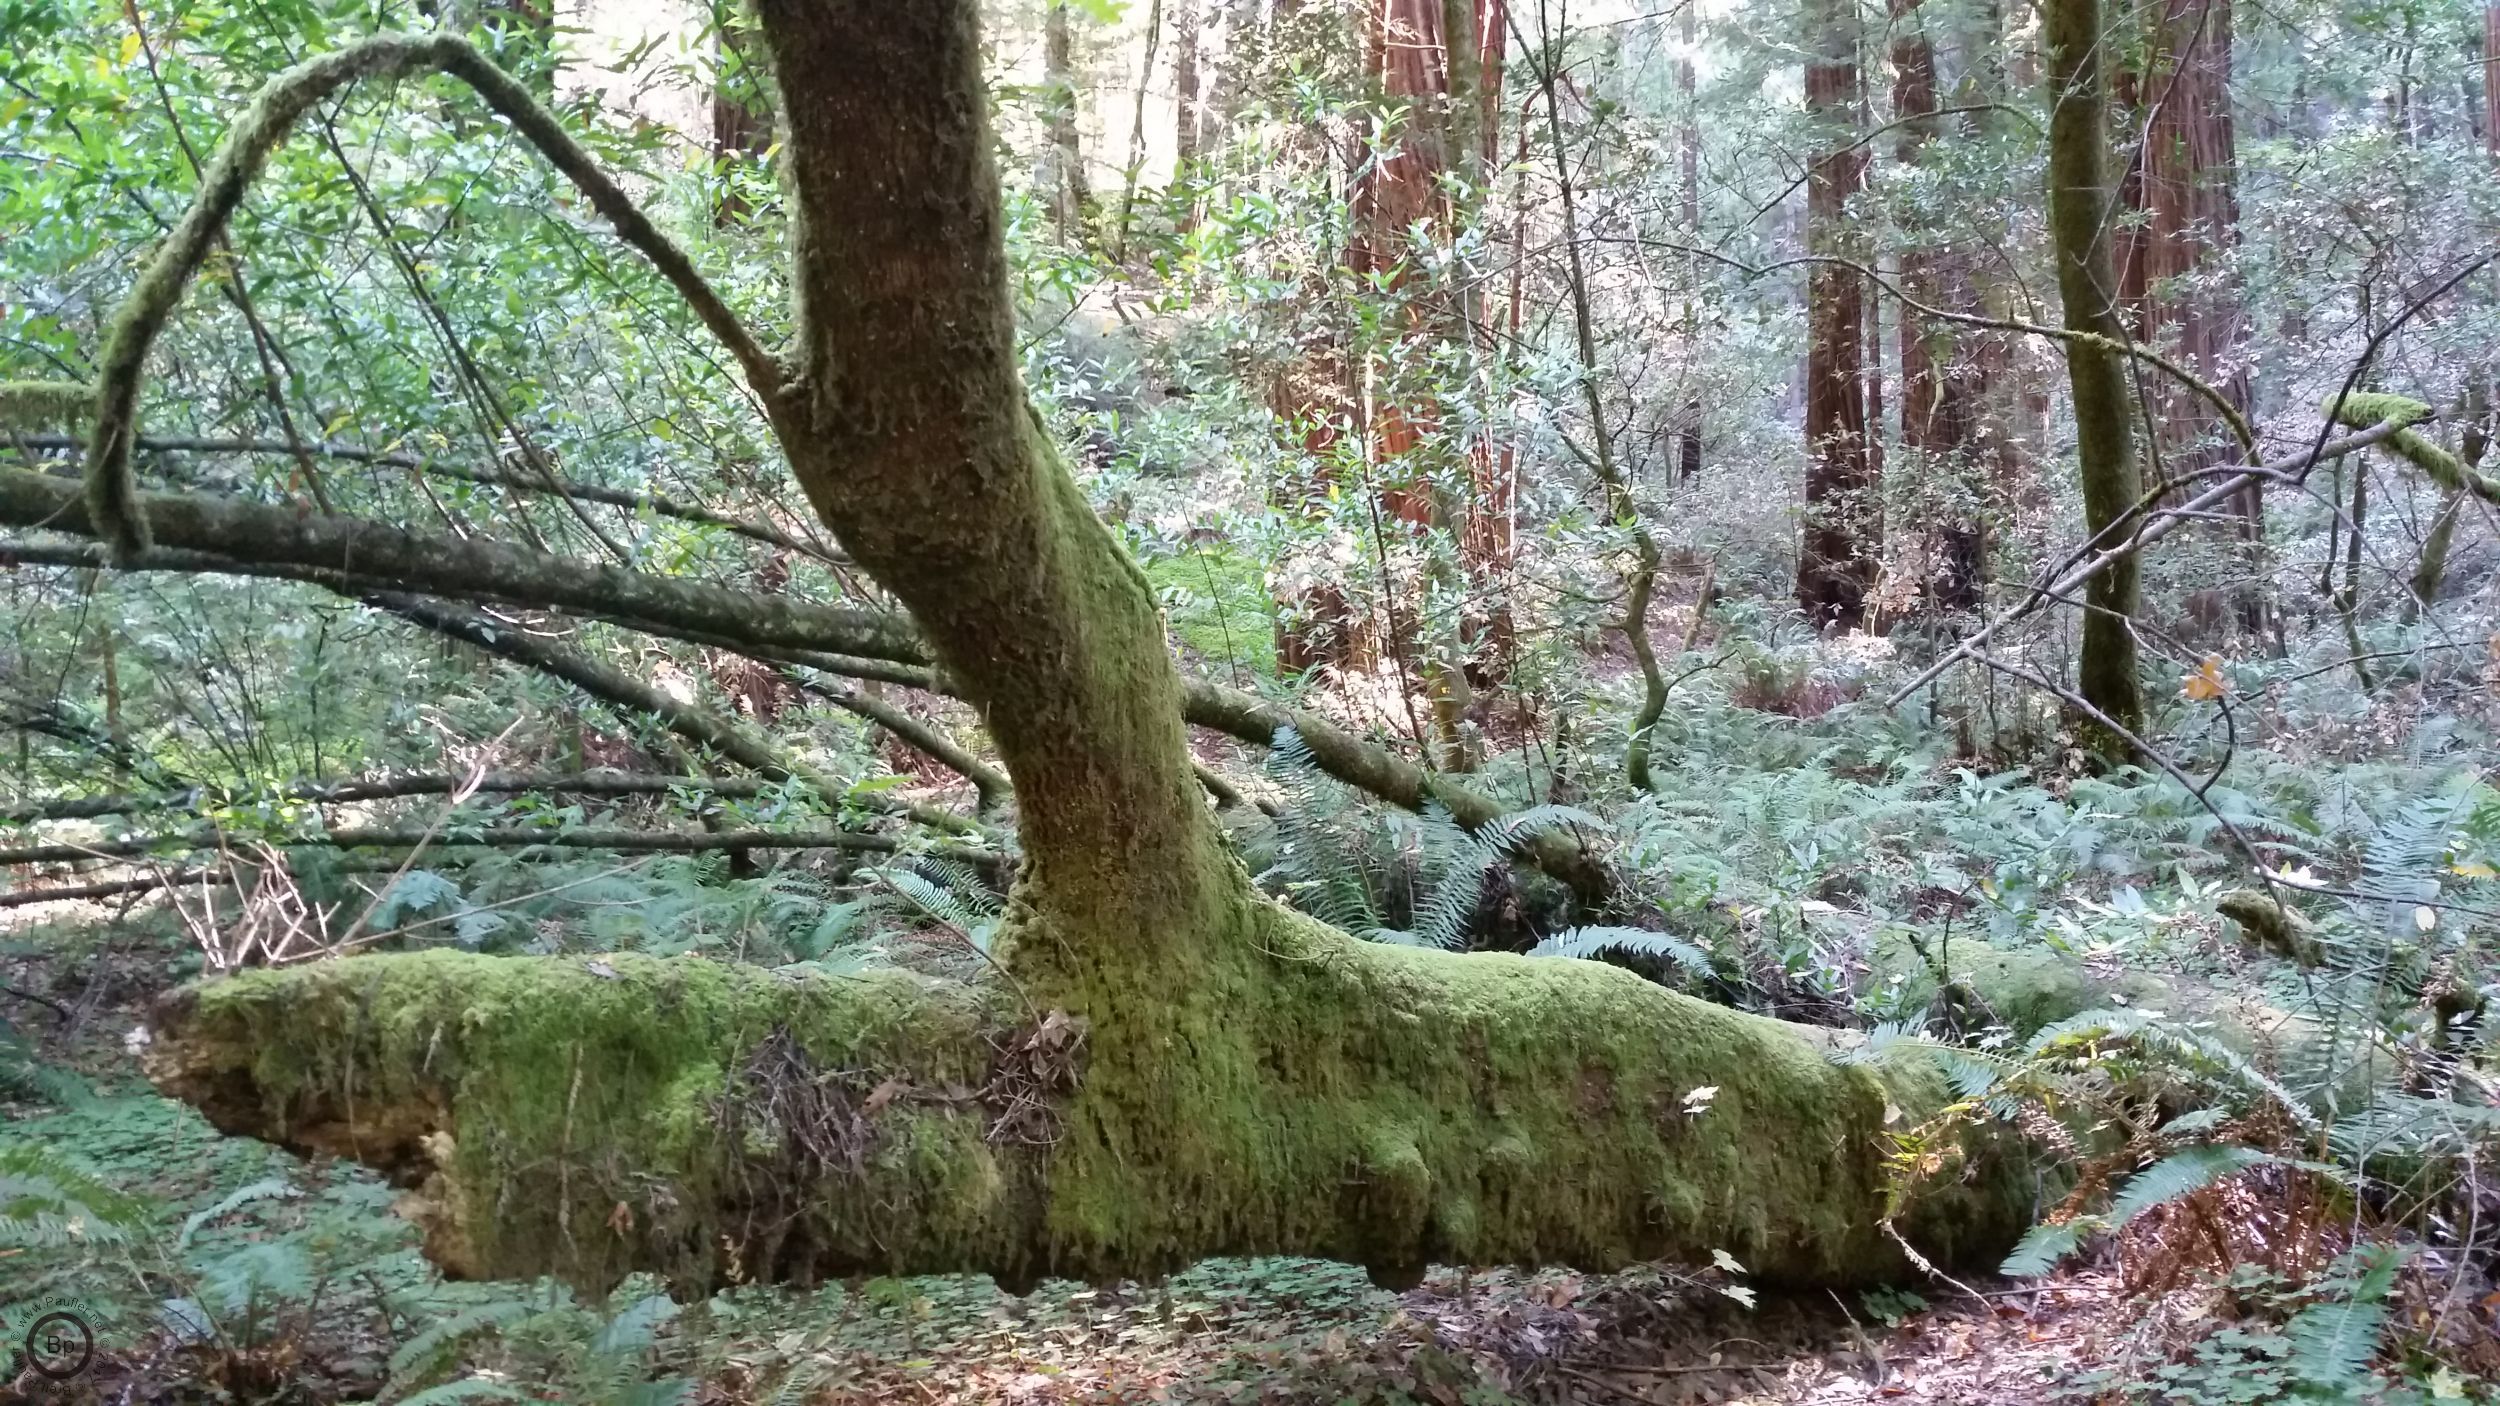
(49, 1339)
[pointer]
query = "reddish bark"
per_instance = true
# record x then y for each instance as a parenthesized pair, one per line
(2171, 263)
(1837, 561)
(1451, 101)
(1939, 371)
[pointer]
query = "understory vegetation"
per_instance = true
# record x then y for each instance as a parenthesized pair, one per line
(1953, 530)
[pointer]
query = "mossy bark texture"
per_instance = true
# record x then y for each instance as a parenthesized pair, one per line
(2079, 228)
(1177, 1067)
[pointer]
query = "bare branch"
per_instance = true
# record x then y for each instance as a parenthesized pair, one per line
(113, 495)
(469, 568)
(657, 504)
(510, 837)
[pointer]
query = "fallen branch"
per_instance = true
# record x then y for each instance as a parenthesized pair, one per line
(258, 539)
(383, 788)
(990, 861)
(657, 504)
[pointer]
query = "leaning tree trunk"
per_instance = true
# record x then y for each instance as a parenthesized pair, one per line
(1837, 561)
(2079, 223)
(1168, 1066)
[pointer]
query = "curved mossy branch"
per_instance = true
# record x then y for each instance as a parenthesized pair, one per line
(1368, 766)
(2357, 409)
(1384, 1106)
(112, 489)
(44, 405)
(465, 568)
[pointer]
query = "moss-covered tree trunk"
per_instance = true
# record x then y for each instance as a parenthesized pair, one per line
(2079, 229)
(1169, 1066)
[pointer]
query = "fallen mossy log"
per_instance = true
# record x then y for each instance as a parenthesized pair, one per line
(1316, 1095)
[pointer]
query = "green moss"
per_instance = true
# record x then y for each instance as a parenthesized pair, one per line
(584, 1104)
(2362, 410)
(1217, 601)
(45, 405)
(1394, 1107)
(2367, 410)
(1286, 1090)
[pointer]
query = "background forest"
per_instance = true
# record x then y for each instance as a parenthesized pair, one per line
(1768, 496)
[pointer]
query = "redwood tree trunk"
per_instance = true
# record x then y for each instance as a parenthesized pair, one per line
(1938, 372)
(1837, 561)
(2173, 263)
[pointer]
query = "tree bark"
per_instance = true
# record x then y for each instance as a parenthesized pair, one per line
(1062, 173)
(1938, 403)
(2079, 222)
(1837, 559)
(2173, 263)
(1175, 1067)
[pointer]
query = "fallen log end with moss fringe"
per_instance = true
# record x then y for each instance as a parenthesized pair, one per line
(1391, 1107)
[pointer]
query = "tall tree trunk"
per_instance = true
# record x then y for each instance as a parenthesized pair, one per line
(1937, 371)
(1062, 174)
(1688, 444)
(1838, 558)
(2087, 283)
(2174, 260)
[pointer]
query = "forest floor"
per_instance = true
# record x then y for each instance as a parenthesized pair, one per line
(257, 1277)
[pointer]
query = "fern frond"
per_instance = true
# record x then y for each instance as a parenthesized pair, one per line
(636, 1327)
(2332, 1343)
(2181, 1174)
(434, 1346)
(1589, 943)
(2044, 1245)
(47, 1200)
(266, 1189)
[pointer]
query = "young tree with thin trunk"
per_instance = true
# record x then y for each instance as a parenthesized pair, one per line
(2080, 210)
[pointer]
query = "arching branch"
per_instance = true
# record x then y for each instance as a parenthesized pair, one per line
(113, 494)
